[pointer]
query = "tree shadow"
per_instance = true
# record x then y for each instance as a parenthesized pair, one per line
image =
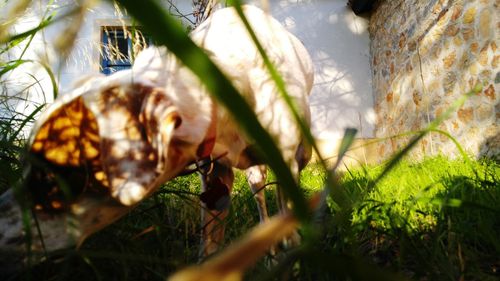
(339, 45)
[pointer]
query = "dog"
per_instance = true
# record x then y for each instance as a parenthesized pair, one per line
(102, 148)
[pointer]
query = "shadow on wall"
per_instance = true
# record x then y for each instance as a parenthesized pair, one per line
(491, 148)
(338, 42)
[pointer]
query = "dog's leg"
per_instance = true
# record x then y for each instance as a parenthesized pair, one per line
(256, 178)
(215, 202)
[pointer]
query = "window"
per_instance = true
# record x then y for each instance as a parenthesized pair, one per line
(119, 46)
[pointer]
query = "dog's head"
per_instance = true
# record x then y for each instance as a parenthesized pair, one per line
(110, 143)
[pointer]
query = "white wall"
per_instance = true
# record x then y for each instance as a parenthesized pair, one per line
(337, 40)
(85, 56)
(29, 81)
(339, 45)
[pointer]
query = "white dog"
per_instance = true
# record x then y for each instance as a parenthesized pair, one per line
(110, 143)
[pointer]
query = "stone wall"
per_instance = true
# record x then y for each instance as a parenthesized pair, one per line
(425, 55)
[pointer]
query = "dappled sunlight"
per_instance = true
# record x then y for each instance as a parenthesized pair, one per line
(339, 45)
(62, 138)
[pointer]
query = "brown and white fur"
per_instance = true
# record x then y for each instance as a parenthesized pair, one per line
(114, 140)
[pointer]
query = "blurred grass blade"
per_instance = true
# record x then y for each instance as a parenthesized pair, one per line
(457, 145)
(55, 88)
(232, 263)
(330, 182)
(168, 32)
(332, 186)
(11, 65)
(412, 133)
(10, 17)
(345, 144)
(14, 40)
(46, 21)
(11, 44)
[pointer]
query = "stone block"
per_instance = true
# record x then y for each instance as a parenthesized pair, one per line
(465, 114)
(389, 97)
(417, 98)
(468, 33)
(483, 55)
(493, 45)
(490, 92)
(469, 15)
(457, 12)
(452, 30)
(485, 30)
(474, 47)
(484, 112)
(449, 60)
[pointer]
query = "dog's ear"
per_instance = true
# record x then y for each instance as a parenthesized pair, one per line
(114, 138)
(136, 123)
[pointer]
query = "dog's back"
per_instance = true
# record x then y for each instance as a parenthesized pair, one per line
(226, 39)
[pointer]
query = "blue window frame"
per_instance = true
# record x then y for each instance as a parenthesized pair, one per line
(119, 46)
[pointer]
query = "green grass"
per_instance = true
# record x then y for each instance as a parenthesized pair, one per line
(413, 195)
(432, 220)
(436, 219)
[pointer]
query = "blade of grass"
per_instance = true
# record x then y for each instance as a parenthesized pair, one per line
(55, 88)
(12, 15)
(304, 128)
(11, 65)
(42, 23)
(332, 186)
(343, 267)
(457, 144)
(170, 33)
(15, 39)
(412, 133)
(345, 144)
(25, 121)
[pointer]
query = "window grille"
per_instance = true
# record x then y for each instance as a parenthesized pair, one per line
(119, 46)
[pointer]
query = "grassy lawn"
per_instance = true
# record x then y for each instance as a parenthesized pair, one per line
(433, 220)
(436, 219)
